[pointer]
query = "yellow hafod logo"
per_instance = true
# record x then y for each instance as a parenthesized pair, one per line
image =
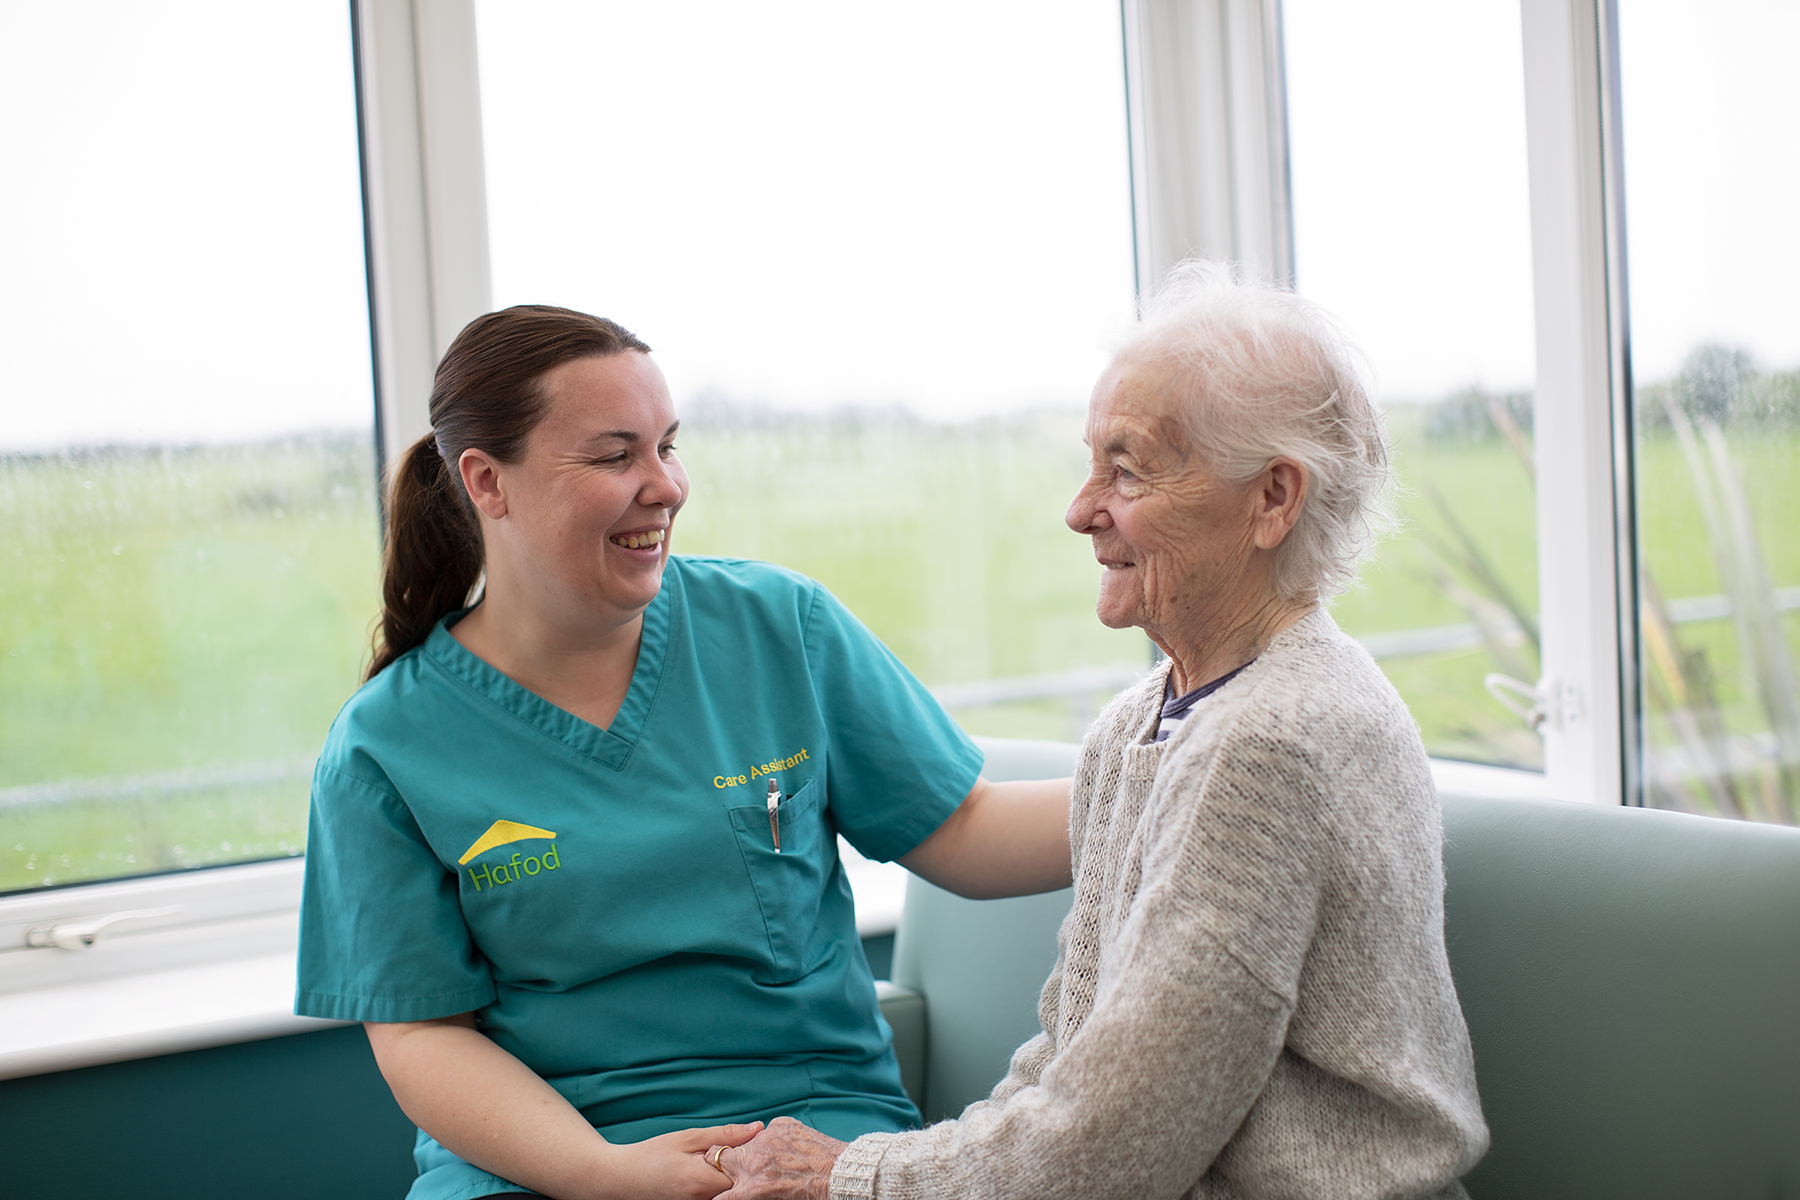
(499, 834)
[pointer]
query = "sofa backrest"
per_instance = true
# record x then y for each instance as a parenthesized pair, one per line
(980, 963)
(1631, 980)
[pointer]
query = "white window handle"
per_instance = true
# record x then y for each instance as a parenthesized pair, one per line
(78, 935)
(1509, 692)
(1553, 704)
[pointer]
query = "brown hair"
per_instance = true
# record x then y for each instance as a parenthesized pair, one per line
(488, 394)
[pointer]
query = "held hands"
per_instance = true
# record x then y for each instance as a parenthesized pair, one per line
(674, 1165)
(786, 1161)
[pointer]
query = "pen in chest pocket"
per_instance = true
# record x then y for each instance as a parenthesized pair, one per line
(775, 817)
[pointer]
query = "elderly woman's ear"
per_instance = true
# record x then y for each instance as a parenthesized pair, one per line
(1278, 494)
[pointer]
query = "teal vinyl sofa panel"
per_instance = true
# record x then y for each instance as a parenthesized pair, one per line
(304, 1117)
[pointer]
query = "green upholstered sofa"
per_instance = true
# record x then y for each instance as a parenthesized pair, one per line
(1631, 980)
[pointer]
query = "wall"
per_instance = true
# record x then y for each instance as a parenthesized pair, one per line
(293, 1118)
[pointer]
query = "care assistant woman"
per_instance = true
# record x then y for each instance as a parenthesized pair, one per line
(573, 850)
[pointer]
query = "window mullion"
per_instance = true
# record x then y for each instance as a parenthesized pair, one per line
(1577, 465)
(1209, 155)
(424, 196)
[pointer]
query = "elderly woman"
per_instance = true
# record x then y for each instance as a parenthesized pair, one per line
(1251, 996)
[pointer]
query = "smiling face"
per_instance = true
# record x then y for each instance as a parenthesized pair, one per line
(1176, 545)
(579, 526)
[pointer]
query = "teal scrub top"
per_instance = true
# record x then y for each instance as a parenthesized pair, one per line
(609, 902)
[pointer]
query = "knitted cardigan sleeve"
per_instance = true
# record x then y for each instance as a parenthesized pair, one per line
(1190, 1018)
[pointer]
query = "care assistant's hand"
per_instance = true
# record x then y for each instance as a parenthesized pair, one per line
(786, 1161)
(490, 1109)
(672, 1165)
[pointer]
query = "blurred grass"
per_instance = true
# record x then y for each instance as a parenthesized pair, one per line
(83, 840)
(180, 609)
(172, 609)
(1676, 545)
(1490, 493)
(188, 608)
(1742, 768)
(947, 541)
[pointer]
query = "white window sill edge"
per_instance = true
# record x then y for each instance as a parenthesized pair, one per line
(247, 992)
(1479, 779)
(148, 1014)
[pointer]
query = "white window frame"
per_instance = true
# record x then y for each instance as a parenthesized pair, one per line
(1206, 95)
(1208, 137)
(1586, 539)
(424, 197)
(206, 957)
(1206, 104)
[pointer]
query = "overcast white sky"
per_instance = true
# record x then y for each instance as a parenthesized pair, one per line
(1412, 219)
(809, 202)
(180, 230)
(813, 203)
(1712, 177)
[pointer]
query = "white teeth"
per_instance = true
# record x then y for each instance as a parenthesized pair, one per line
(637, 541)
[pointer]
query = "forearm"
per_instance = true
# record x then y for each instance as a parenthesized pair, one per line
(1135, 1108)
(1005, 839)
(490, 1109)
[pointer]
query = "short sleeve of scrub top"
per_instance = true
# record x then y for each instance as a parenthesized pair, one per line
(610, 902)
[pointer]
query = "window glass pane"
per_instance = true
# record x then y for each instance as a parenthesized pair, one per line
(878, 249)
(187, 520)
(1711, 114)
(1412, 225)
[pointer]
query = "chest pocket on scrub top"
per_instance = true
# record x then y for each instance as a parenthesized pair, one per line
(790, 884)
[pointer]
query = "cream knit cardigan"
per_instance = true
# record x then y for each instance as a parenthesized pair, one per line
(1251, 996)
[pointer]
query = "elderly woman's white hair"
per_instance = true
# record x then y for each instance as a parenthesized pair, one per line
(1261, 374)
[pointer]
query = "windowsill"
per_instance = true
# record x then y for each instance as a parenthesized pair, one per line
(124, 1008)
(1479, 779)
(879, 888)
(157, 1012)
(203, 958)
(243, 989)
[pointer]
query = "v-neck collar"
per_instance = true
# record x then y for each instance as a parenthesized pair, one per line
(611, 746)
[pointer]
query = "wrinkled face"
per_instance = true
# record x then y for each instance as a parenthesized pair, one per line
(591, 504)
(1173, 541)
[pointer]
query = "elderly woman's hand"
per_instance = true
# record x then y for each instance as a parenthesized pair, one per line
(786, 1161)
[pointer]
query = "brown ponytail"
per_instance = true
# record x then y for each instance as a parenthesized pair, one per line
(488, 394)
(433, 554)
